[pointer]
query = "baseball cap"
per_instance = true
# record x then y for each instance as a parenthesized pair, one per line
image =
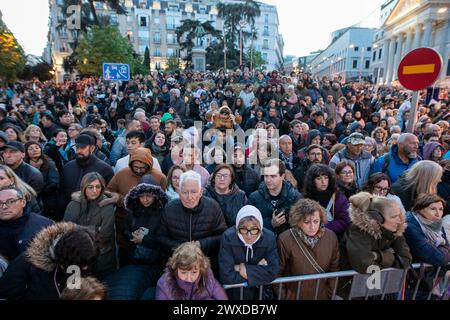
(356, 138)
(14, 145)
(84, 140)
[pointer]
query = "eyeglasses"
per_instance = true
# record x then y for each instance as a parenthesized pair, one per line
(346, 173)
(380, 189)
(253, 232)
(222, 176)
(9, 202)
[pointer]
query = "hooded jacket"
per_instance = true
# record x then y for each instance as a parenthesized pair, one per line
(233, 252)
(124, 181)
(362, 165)
(97, 215)
(16, 234)
(429, 148)
(170, 287)
(230, 203)
(34, 275)
(261, 199)
(138, 216)
(365, 236)
(205, 224)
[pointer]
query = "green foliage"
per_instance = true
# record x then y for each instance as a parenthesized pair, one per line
(173, 64)
(105, 44)
(12, 56)
(146, 61)
(258, 60)
(187, 29)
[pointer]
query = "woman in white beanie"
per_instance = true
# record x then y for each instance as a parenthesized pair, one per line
(248, 253)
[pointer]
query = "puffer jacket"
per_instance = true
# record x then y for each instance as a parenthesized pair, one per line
(34, 275)
(138, 216)
(205, 224)
(230, 203)
(171, 287)
(261, 200)
(98, 216)
(365, 236)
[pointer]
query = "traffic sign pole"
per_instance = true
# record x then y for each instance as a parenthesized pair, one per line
(413, 113)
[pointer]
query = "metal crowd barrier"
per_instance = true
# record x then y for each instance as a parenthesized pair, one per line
(392, 281)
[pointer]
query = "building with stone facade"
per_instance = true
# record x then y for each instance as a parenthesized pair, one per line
(152, 24)
(412, 24)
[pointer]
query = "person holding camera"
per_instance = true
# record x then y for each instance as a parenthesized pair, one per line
(275, 197)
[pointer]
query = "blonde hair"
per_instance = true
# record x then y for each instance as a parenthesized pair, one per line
(187, 256)
(27, 191)
(364, 201)
(89, 288)
(28, 129)
(423, 177)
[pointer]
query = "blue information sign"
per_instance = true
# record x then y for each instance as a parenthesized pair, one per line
(116, 71)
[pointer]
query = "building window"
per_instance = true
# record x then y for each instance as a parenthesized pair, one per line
(158, 66)
(448, 68)
(170, 22)
(266, 44)
(156, 20)
(367, 66)
(157, 37)
(369, 49)
(356, 48)
(157, 52)
(113, 19)
(266, 19)
(170, 52)
(171, 39)
(379, 53)
(374, 56)
(396, 45)
(143, 21)
(266, 31)
(129, 35)
(265, 56)
(355, 64)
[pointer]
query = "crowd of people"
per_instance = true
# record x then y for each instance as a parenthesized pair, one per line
(172, 185)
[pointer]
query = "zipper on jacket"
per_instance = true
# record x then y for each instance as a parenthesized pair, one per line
(190, 227)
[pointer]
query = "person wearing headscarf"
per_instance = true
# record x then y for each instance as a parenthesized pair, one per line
(248, 253)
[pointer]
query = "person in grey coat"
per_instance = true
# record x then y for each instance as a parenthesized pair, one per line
(92, 207)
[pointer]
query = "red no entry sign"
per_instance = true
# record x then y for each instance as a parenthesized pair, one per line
(419, 69)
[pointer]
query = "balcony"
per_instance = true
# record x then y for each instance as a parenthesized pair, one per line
(170, 26)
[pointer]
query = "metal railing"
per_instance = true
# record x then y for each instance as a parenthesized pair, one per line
(393, 282)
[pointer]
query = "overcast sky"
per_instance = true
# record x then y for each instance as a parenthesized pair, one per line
(305, 25)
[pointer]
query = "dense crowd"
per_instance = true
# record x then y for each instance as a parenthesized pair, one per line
(171, 185)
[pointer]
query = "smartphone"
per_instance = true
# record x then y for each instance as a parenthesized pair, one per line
(145, 231)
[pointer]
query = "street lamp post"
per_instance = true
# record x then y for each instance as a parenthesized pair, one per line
(242, 25)
(361, 65)
(224, 51)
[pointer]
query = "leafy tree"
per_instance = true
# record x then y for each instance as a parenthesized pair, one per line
(258, 60)
(173, 63)
(105, 44)
(187, 30)
(41, 71)
(12, 56)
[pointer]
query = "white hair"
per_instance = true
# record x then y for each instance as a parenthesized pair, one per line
(190, 175)
(138, 115)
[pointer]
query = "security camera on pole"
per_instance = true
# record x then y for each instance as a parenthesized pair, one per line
(418, 70)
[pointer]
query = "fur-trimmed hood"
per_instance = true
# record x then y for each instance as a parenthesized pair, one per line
(40, 251)
(363, 221)
(107, 198)
(131, 199)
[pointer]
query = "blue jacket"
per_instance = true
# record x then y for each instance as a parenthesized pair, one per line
(396, 166)
(233, 252)
(422, 248)
(16, 234)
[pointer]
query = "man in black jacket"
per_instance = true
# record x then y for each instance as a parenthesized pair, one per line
(85, 162)
(13, 155)
(275, 197)
(193, 217)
